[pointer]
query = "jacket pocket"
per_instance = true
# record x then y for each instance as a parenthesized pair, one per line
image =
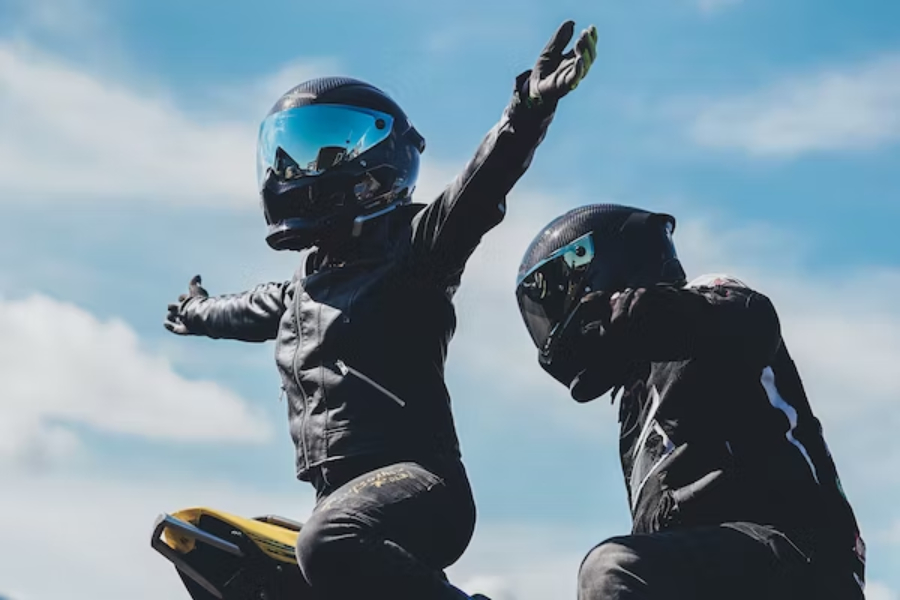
(346, 369)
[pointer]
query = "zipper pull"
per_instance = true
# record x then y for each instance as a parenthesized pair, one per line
(344, 369)
(282, 394)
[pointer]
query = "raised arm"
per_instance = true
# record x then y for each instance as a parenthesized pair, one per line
(450, 228)
(252, 316)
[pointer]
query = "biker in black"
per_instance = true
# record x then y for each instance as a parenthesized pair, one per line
(731, 485)
(362, 329)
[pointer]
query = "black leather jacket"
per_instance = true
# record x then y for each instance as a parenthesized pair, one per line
(716, 379)
(361, 345)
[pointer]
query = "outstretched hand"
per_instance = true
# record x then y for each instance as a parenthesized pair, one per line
(556, 74)
(173, 320)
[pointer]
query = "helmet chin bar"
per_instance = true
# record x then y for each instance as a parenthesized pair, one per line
(360, 221)
(287, 239)
(301, 237)
(298, 234)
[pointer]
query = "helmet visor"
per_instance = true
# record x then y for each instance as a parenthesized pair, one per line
(549, 290)
(307, 140)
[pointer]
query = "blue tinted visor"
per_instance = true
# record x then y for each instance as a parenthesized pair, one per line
(307, 140)
(550, 289)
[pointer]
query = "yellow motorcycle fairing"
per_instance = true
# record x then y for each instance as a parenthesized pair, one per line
(271, 534)
(221, 556)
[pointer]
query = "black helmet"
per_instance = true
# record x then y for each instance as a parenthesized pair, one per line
(333, 152)
(599, 247)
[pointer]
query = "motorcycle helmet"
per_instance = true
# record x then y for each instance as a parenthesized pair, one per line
(332, 153)
(599, 247)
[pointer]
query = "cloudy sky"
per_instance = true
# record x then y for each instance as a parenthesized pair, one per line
(770, 128)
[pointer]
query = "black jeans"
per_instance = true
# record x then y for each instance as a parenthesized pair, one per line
(386, 531)
(737, 561)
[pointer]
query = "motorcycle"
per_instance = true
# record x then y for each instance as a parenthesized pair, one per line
(220, 556)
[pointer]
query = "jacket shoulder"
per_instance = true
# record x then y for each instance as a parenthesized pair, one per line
(711, 280)
(722, 286)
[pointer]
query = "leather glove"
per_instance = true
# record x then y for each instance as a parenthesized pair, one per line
(585, 357)
(173, 319)
(681, 490)
(556, 74)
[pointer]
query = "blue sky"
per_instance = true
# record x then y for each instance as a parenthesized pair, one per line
(127, 129)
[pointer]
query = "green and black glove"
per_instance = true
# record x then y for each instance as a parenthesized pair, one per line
(556, 74)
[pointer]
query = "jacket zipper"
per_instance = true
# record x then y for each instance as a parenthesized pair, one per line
(345, 369)
(300, 385)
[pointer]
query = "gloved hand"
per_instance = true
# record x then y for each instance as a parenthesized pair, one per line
(173, 320)
(580, 355)
(556, 74)
(677, 489)
(612, 316)
(591, 316)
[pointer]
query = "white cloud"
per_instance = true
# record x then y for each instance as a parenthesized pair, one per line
(60, 365)
(68, 135)
(94, 534)
(250, 101)
(853, 107)
(893, 534)
(523, 561)
(876, 590)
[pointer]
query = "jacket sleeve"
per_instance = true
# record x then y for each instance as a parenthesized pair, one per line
(668, 324)
(449, 229)
(252, 316)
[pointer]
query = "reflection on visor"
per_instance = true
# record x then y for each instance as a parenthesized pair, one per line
(548, 291)
(315, 137)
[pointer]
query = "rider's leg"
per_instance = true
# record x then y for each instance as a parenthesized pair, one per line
(388, 533)
(738, 561)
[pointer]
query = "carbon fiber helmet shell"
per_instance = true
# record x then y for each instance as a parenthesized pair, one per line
(322, 207)
(598, 247)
